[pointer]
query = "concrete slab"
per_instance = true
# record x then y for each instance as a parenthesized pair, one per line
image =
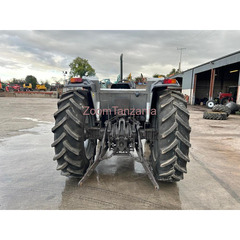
(28, 178)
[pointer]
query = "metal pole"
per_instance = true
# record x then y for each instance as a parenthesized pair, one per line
(180, 57)
(121, 67)
(64, 75)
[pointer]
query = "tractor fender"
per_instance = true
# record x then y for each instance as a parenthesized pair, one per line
(89, 87)
(155, 88)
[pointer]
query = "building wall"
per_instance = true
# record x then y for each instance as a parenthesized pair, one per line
(187, 80)
(188, 76)
(187, 83)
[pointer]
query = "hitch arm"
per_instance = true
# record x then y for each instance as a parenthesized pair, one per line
(92, 167)
(144, 162)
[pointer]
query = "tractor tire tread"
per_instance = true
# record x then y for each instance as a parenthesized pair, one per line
(221, 108)
(72, 157)
(169, 154)
(215, 115)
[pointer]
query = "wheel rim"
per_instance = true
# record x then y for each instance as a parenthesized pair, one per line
(88, 143)
(210, 104)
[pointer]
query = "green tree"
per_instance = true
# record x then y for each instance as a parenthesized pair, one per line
(47, 85)
(173, 72)
(17, 81)
(80, 66)
(31, 79)
(156, 75)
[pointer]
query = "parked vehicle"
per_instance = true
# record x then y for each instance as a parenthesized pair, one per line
(224, 98)
(16, 87)
(105, 83)
(27, 87)
(1, 87)
(41, 87)
(12, 88)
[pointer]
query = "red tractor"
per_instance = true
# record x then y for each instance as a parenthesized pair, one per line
(16, 87)
(223, 98)
(1, 86)
(13, 88)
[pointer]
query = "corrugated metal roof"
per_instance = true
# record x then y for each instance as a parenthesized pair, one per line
(212, 61)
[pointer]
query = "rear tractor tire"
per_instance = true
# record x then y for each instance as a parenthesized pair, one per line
(73, 151)
(169, 153)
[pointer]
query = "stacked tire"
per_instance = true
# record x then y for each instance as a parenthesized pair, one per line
(215, 115)
(233, 107)
(221, 108)
(218, 112)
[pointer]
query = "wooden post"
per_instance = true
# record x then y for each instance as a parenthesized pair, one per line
(212, 80)
(238, 91)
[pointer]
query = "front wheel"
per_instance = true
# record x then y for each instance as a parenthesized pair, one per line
(210, 104)
(169, 153)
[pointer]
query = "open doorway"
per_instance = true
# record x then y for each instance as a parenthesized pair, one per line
(226, 80)
(202, 87)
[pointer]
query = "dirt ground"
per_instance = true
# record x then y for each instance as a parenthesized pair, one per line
(28, 178)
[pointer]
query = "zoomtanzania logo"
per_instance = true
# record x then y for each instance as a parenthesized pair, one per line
(118, 111)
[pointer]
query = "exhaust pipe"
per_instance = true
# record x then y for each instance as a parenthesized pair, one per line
(121, 67)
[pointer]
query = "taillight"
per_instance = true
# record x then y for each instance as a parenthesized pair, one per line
(76, 80)
(169, 81)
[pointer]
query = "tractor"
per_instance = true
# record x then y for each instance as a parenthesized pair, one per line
(91, 121)
(16, 87)
(12, 88)
(105, 83)
(224, 98)
(2, 87)
(41, 87)
(27, 87)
